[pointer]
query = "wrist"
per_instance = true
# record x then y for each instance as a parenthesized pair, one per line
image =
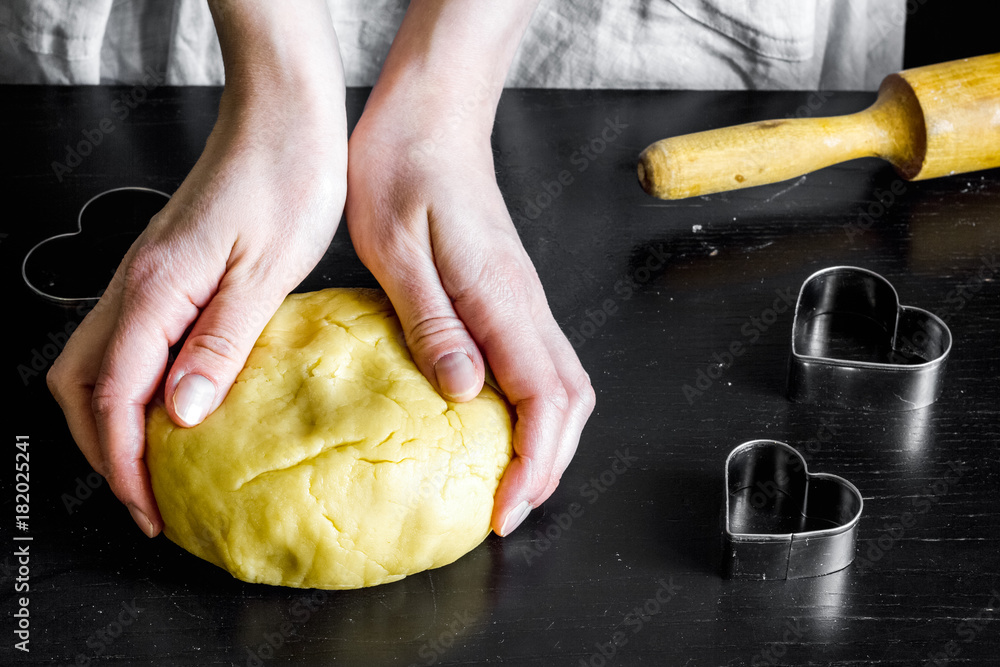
(448, 64)
(279, 62)
(420, 106)
(316, 106)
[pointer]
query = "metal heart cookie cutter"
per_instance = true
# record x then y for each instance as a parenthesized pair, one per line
(75, 267)
(855, 346)
(783, 522)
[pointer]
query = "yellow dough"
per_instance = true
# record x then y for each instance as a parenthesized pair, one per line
(332, 463)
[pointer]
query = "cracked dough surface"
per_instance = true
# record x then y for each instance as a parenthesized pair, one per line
(332, 463)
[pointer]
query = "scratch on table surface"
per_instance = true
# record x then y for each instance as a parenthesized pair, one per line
(758, 247)
(434, 596)
(170, 597)
(186, 611)
(799, 181)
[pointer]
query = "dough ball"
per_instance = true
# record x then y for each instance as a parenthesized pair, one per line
(332, 463)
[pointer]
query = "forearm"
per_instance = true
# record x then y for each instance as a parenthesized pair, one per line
(427, 218)
(280, 53)
(452, 57)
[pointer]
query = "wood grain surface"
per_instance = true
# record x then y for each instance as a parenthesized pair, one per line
(680, 312)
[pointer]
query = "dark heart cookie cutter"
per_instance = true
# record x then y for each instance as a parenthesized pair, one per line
(107, 225)
(855, 346)
(783, 522)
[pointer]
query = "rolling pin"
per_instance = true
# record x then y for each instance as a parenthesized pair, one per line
(928, 122)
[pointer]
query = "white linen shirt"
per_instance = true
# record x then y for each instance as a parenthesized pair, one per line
(689, 44)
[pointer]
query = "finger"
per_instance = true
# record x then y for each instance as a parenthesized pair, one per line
(133, 366)
(581, 400)
(500, 308)
(150, 318)
(75, 378)
(525, 481)
(71, 380)
(73, 374)
(537, 368)
(217, 347)
(75, 399)
(437, 338)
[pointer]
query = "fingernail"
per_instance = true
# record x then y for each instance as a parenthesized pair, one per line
(141, 520)
(193, 398)
(514, 518)
(456, 375)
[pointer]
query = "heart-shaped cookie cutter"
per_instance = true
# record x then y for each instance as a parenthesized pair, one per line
(111, 220)
(855, 346)
(783, 522)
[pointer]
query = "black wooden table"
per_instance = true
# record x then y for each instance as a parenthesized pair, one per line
(622, 565)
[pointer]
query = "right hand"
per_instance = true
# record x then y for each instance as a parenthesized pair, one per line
(249, 222)
(435, 232)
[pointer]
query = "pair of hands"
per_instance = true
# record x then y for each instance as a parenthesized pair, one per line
(251, 220)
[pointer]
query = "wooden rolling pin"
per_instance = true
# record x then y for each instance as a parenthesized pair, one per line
(928, 122)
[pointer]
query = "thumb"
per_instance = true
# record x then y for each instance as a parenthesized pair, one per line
(439, 342)
(215, 352)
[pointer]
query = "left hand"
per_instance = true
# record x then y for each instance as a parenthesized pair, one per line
(248, 223)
